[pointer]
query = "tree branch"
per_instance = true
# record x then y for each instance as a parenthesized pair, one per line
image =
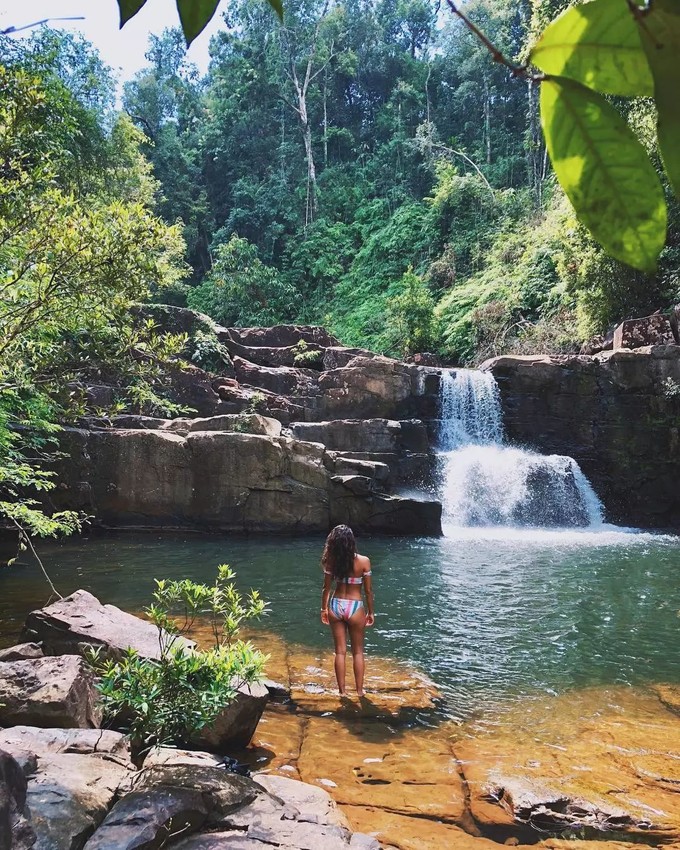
(496, 54)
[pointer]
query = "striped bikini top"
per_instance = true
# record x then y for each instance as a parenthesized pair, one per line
(349, 579)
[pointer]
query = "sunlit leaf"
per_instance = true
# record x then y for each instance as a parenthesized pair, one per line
(596, 44)
(195, 15)
(660, 31)
(605, 172)
(128, 9)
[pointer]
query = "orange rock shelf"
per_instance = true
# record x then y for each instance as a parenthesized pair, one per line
(591, 765)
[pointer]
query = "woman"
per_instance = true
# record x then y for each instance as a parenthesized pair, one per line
(344, 609)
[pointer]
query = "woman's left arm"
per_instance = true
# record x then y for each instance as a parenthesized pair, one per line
(325, 597)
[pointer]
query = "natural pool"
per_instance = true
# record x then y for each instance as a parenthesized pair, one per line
(490, 615)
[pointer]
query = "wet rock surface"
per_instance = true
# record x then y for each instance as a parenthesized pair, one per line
(586, 766)
(616, 413)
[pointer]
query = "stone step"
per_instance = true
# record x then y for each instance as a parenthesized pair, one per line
(367, 435)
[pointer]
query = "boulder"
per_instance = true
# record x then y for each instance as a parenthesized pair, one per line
(80, 620)
(650, 330)
(235, 725)
(70, 795)
(217, 480)
(278, 336)
(222, 792)
(148, 819)
(42, 741)
(287, 355)
(48, 692)
(16, 832)
(313, 804)
(368, 387)
(21, 652)
(246, 423)
(283, 380)
(382, 513)
(337, 357)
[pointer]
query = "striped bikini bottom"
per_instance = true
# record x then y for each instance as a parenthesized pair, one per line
(344, 609)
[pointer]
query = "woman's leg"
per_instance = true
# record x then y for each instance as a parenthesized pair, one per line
(339, 630)
(357, 627)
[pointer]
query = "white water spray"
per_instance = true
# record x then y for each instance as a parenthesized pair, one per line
(485, 483)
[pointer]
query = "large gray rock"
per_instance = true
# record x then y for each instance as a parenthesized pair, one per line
(70, 795)
(42, 741)
(16, 832)
(381, 513)
(48, 692)
(649, 330)
(146, 820)
(236, 724)
(213, 480)
(368, 387)
(283, 380)
(22, 652)
(80, 620)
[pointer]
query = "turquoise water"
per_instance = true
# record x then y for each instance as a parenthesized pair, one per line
(490, 615)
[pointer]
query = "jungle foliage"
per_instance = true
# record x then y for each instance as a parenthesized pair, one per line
(362, 164)
(324, 164)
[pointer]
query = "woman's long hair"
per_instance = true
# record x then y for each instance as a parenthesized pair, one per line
(339, 551)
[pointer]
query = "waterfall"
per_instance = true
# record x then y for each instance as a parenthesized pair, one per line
(488, 483)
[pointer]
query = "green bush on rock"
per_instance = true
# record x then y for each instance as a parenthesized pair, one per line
(169, 700)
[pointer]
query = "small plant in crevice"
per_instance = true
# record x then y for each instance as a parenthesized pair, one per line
(670, 388)
(170, 699)
(256, 403)
(306, 357)
(206, 351)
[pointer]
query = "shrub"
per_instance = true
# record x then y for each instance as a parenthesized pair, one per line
(306, 357)
(168, 701)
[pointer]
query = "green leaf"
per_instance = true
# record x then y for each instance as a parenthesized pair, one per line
(596, 44)
(195, 16)
(605, 172)
(277, 6)
(128, 9)
(660, 31)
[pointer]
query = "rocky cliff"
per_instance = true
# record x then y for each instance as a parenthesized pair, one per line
(617, 413)
(276, 447)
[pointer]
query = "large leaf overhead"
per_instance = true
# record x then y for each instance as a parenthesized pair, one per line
(660, 32)
(194, 15)
(597, 44)
(605, 172)
(128, 9)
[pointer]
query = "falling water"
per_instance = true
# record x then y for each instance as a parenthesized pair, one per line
(487, 483)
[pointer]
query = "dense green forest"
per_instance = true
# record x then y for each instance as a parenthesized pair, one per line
(365, 165)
